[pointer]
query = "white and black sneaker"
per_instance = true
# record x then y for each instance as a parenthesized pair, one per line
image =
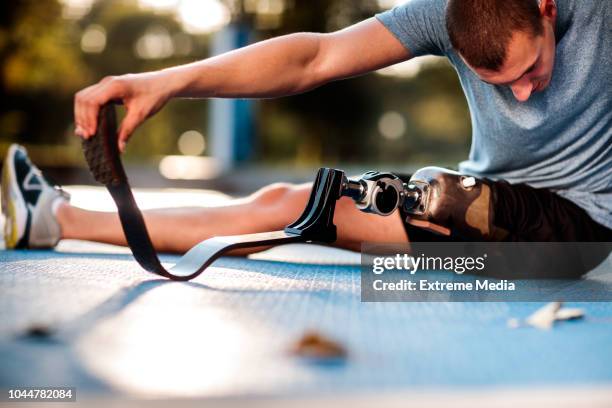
(28, 202)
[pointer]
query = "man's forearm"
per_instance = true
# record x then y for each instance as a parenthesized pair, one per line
(280, 66)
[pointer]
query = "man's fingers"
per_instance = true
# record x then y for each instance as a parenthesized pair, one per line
(90, 113)
(95, 99)
(107, 79)
(84, 111)
(91, 108)
(78, 115)
(87, 105)
(128, 125)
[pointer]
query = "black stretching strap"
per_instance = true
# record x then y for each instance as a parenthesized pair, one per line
(103, 157)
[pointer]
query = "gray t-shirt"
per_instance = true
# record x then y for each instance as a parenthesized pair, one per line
(560, 138)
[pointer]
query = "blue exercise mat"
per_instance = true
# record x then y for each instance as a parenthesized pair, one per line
(118, 330)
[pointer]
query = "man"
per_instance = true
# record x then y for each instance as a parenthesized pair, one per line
(536, 76)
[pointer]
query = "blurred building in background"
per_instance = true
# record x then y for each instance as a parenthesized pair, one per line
(398, 118)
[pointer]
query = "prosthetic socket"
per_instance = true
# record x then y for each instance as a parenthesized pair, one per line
(437, 199)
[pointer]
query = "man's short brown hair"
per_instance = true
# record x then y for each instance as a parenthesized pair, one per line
(480, 30)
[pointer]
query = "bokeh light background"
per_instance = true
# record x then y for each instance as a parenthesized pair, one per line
(398, 118)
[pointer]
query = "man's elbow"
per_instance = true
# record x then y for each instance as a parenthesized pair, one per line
(316, 68)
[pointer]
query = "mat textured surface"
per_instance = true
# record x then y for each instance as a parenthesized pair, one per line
(117, 330)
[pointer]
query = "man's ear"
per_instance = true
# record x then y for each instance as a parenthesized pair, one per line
(548, 10)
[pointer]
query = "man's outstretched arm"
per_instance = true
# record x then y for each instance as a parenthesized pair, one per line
(281, 66)
(292, 64)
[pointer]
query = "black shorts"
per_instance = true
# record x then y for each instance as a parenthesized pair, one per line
(530, 214)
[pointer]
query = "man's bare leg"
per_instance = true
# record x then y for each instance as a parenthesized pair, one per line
(268, 209)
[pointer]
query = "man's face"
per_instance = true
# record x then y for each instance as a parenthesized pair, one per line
(529, 59)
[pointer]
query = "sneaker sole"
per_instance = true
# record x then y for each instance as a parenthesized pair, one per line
(13, 210)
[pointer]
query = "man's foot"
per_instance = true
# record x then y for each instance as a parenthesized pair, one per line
(28, 202)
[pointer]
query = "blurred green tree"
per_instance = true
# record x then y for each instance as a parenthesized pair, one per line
(40, 70)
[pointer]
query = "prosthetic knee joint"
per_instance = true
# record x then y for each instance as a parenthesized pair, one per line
(436, 199)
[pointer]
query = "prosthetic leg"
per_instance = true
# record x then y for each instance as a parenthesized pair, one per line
(437, 199)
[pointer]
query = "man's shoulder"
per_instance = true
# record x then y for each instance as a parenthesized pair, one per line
(420, 25)
(582, 12)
